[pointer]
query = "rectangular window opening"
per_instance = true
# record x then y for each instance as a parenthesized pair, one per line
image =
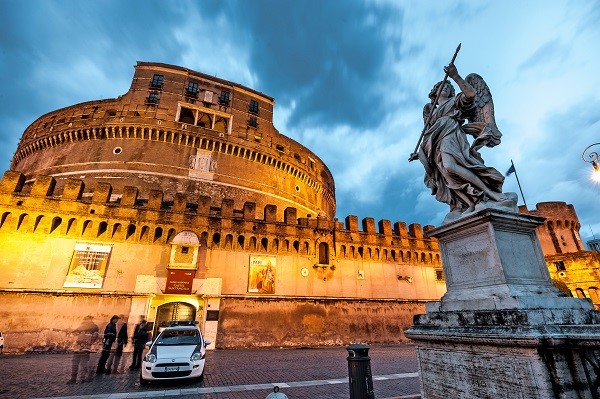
(253, 107)
(157, 81)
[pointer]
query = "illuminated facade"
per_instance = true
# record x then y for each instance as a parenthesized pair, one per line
(180, 200)
(568, 261)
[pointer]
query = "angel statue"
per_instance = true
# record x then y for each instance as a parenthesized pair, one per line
(454, 170)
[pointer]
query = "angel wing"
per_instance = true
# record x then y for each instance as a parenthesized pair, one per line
(482, 123)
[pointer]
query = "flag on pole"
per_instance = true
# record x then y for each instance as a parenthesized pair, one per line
(510, 170)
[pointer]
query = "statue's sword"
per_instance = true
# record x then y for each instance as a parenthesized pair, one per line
(414, 156)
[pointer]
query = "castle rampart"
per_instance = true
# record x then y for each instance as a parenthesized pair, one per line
(560, 232)
(104, 215)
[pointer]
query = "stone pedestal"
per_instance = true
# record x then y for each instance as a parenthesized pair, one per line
(502, 330)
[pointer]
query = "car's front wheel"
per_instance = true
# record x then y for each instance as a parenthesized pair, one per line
(143, 382)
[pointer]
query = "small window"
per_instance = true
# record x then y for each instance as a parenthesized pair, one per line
(253, 106)
(224, 98)
(560, 266)
(153, 98)
(192, 89)
(185, 250)
(157, 81)
(279, 147)
(252, 122)
(439, 274)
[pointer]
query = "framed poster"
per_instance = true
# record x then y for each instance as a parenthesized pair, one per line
(261, 274)
(88, 266)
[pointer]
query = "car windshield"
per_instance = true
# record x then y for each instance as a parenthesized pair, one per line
(179, 337)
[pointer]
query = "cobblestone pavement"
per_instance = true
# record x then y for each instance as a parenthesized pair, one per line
(232, 374)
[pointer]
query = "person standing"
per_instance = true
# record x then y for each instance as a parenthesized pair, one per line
(140, 337)
(110, 335)
(115, 357)
(87, 333)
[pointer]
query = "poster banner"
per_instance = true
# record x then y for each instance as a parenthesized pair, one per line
(88, 266)
(179, 281)
(261, 275)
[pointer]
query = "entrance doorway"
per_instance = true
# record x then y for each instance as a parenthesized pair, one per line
(173, 311)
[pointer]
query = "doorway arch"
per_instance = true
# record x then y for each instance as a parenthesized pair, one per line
(173, 311)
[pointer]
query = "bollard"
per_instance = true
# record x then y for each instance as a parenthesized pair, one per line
(359, 370)
(276, 394)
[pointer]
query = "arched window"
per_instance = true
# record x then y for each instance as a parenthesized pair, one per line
(144, 233)
(5, 216)
(170, 235)
(38, 220)
(55, 223)
(116, 229)
(240, 241)
(130, 231)
(323, 253)
(264, 243)
(71, 224)
(22, 220)
(221, 125)
(204, 120)
(86, 226)
(102, 227)
(158, 232)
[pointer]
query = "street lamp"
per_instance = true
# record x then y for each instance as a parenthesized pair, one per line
(592, 157)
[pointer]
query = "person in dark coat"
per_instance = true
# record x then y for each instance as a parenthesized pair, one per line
(114, 359)
(140, 337)
(110, 335)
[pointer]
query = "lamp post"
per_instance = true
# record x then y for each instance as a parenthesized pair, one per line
(592, 157)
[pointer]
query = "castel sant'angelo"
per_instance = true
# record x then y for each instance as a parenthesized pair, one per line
(180, 200)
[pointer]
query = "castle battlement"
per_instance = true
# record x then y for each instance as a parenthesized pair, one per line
(560, 232)
(102, 213)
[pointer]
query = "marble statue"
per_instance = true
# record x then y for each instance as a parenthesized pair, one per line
(454, 169)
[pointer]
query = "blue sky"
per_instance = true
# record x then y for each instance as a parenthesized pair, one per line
(349, 79)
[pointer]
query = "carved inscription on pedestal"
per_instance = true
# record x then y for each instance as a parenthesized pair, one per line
(468, 375)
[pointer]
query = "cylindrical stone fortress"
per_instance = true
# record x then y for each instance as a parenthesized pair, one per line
(179, 131)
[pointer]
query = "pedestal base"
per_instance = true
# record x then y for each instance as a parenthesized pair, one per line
(502, 330)
(539, 354)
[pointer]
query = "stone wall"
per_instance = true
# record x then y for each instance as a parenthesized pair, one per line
(46, 322)
(298, 322)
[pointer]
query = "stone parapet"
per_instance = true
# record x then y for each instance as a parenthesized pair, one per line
(110, 209)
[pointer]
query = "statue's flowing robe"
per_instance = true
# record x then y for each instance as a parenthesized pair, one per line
(447, 135)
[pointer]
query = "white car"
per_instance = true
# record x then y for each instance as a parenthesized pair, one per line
(177, 353)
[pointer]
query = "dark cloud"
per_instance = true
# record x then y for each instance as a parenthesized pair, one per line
(328, 61)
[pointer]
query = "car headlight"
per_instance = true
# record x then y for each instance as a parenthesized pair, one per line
(151, 358)
(196, 356)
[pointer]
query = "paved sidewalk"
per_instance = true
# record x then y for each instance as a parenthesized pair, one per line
(238, 374)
